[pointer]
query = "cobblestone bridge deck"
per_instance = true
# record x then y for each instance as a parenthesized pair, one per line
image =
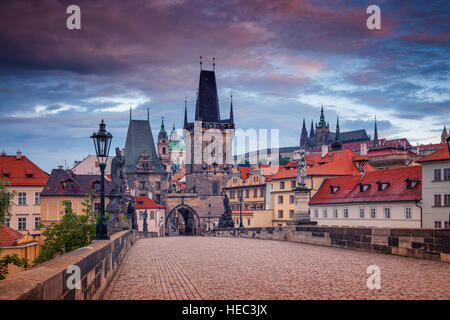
(236, 268)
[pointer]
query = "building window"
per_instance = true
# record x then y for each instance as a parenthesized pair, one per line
(22, 198)
(152, 215)
(291, 199)
(335, 212)
(447, 174)
(280, 214)
(373, 213)
(247, 193)
(67, 204)
(215, 188)
(387, 213)
(293, 184)
(446, 199)
(446, 224)
(8, 222)
(255, 193)
(22, 223)
(437, 225)
(37, 222)
(345, 213)
(248, 222)
(437, 200)
(281, 185)
(142, 185)
(361, 213)
(437, 175)
(158, 198)
(325, 213)
(408, 213)
(261, 192)
(37, 198)
(280, 199)
(158, 185)
(291, 213)
(141, 215)
(316, 213)
(96, 186)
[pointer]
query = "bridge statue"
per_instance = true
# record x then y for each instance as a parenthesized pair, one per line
(226, 219)
(301, 168)
(117, 202)
(131, 214)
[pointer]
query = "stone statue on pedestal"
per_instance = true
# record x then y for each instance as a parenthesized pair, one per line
(117, 203)
(131, 214)
(145, 226)
(301, 168)
(226, 219)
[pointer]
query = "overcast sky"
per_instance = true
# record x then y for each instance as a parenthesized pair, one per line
(281, 60)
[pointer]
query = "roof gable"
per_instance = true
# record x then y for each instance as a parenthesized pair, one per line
(21, 172)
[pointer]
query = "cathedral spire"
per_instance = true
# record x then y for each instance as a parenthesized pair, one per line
(231, 110)
(304, 136)
(185, 114)
(322, 122)
(444, 135)
(311, 131)
(337, 144)
(375, 134)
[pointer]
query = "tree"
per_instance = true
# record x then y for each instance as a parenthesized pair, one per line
(283, 160)
(5, 201)
(72, 232)
(11, 259)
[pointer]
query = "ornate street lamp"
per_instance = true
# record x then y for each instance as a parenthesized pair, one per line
(102, 143)
(240, 205)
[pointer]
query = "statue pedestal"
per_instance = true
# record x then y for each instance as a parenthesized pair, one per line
(301, 209)
(116, 209)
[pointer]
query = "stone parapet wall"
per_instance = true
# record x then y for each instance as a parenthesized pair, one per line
(98, 263)
(432, 244)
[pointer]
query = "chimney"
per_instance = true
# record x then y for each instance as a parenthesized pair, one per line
(324, 150)
(363, 150)
(60, 168)
(3, 153)
(19, 155)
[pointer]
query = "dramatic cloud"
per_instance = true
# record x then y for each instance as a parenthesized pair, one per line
(281, 60)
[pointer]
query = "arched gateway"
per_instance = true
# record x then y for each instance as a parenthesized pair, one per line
(182, 220)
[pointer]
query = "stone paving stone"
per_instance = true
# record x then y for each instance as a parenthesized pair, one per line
(236, 268)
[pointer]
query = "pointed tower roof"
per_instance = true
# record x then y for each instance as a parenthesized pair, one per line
(140, 140)
(207, 106)
(185, 114)
(337, 144)
(304, 136)
(322, 122)
(311, 131)
(375, 134)
(162, 133)
(231, 110)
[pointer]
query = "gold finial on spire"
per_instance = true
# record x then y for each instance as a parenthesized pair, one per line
(214, 64)
(201, 62)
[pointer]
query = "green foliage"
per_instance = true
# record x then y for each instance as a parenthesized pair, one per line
(283, 160)
(72, 232)
(11, 259)
(5, 201)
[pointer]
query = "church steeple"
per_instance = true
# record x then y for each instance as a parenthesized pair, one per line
(185, 114)
(231, 110)
(162, 133)
(337, 144)
(311, 131)
(322, 122)
(304, 136)
(444, 135)
(375, 134)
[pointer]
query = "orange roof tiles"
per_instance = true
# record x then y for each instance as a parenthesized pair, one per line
(337, 163)
(143, 202)
(9, 236)
(21, 172)
(442, 154)
(349, 191)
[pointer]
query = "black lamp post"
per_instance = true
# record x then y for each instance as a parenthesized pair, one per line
(102, 143)
(240, 205)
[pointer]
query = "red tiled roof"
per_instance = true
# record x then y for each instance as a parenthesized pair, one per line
(245, 172)
(18, 171)
(337, 163)
(442, 154)
(349, 191)
(388, 151)
(431, 146)
(9, 236)
(143, 202)
(285, 173)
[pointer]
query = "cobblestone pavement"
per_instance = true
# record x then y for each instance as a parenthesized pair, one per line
(237, 268)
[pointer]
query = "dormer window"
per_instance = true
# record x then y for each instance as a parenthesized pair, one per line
(411, 183)
(382, 185)
(29, 173)
(67, 184)
(96, 186)
(334, 189)
(363, 187)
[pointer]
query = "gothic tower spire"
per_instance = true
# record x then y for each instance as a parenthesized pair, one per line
(231, 110)
(185, 114)
(304, 136)
(375, 134)
(337, 144)
(444, 135)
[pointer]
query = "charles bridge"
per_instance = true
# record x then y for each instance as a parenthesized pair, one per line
(295, 262)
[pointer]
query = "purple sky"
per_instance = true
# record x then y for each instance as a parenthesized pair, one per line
(281, 60)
